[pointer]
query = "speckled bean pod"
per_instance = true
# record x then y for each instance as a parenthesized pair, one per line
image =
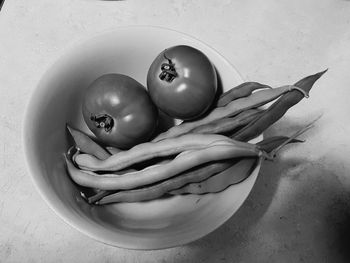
(156, 173)
(150, 150)
(87, 145)
(154, 191)
(255, 100)
(243, 90)
(219, 182)
(229, 124)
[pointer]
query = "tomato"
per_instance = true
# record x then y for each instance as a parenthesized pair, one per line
(182, 82)
(119, 111)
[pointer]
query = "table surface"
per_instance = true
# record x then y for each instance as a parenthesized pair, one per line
(299, 208)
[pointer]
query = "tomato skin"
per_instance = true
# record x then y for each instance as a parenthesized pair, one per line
(192, 91)
(133, 115)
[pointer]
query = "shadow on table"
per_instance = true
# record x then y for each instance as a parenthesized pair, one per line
(319, 211)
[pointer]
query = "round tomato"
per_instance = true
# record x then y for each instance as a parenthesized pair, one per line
(119, 111)
(182, 82)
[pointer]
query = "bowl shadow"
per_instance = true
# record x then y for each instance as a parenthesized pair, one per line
(232, 234)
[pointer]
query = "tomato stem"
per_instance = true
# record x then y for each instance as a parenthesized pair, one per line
(168, 73)
(103, 121)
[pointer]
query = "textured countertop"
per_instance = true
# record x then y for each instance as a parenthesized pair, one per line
(299, 208)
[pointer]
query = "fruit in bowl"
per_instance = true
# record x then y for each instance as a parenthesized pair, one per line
(171, 217)
(119, 111)
(182, 82)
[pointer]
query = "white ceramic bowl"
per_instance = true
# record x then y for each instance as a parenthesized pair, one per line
(57, 100)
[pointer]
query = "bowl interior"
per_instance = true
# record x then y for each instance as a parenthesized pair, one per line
(57, 100)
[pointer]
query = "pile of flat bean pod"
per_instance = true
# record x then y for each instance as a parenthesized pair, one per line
(195, 157)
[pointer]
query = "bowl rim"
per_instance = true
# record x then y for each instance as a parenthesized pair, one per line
(62, 213)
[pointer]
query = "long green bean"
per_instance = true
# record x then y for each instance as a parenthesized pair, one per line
(154, 191)
(156, 173)
(225, 125)
(255, 100)
(277, 109)
(87, 145)
(196, 174)
(151, 150)
(243, 90)
(237, 172)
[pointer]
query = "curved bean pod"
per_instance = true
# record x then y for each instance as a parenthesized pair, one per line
(197, 174)
(238, 171)
(99, 195)
(228, 124)
(152, 192)
(243, 90)
(150, 150)
(277, 109)
(255, 100)
(102, 193)
(87, 145)
(219, 182)
(161, 172)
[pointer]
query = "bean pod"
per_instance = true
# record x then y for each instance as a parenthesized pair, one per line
(243, 90)
(236, 173)
(219, 182)
(255, 100)
(198, 174)
(278, 109)
(156, 173)
(151, 150)
(229, 124)
(87, 145)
